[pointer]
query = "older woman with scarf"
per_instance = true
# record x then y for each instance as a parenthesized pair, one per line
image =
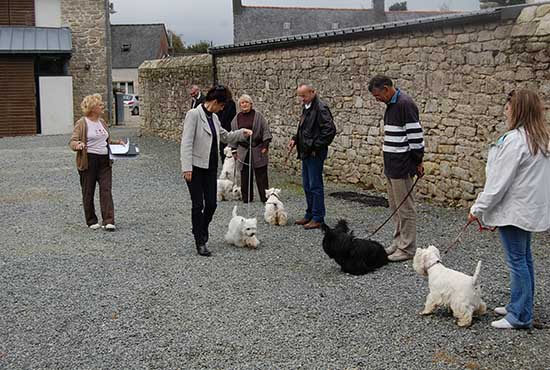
(257, 155)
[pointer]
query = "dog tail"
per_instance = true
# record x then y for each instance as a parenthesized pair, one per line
(235, 211)
(475, 279)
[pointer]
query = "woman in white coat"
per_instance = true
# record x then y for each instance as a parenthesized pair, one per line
(516, 199)
(200, 140)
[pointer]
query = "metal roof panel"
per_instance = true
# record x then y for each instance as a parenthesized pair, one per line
(34, 40)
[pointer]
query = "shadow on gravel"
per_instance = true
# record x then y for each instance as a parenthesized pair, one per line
(368, 200)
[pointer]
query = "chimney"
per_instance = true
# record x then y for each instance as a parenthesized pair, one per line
(238, 6)
(379, 10)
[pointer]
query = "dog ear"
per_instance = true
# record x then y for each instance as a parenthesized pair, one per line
(325, 227)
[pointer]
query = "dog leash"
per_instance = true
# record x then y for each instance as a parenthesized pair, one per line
(397, 209)
(249, 164)
(457, 239)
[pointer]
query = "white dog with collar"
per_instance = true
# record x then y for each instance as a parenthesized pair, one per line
(275, 213)
(449, 288)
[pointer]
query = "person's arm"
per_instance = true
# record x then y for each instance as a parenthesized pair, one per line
(76, 143)
(327, 129)
(233, 137)
(500, 176)
(266, 133)
(187, 141)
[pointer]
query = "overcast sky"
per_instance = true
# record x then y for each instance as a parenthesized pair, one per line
(212, 20)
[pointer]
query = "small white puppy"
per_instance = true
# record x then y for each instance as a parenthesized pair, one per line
(224, 190)
(236, 193)
(242, 231)
(228, 168)
(449, 288)
(275, 213)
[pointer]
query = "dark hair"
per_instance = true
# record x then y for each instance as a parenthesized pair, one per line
(379, 81)
(218, 93)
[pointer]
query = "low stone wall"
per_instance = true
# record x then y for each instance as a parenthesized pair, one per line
(165, 85)
(458, 75)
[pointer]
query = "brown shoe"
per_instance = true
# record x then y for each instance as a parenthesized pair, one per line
(312, 225)
(303, 221)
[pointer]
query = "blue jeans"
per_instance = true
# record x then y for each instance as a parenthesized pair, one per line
(517, 246)
(312, 181)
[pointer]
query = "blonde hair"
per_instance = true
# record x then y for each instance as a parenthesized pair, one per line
(247, 98)
(528, 111)
(90, 102)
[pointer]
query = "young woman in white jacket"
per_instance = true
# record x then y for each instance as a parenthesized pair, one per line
(516, 199)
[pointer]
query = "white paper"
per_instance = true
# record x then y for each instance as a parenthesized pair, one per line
(120, 149)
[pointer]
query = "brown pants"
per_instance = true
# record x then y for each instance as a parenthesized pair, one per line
(99, 170)
(404, 237)
(262, 182)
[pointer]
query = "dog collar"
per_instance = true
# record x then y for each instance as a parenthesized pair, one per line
(275, 195)
(432, 265)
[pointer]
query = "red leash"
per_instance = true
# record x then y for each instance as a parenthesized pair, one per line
(481, 228)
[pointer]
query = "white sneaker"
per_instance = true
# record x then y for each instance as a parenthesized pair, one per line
(501, 311)
(110, 227)
(502, 324)
(94, 226)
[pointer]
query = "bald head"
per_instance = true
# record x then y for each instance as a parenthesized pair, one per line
(194, 91)
(306, 93)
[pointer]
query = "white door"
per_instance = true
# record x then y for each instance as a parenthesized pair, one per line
(56, 105)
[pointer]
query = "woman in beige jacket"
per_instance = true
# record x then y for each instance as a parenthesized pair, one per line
(90, 141)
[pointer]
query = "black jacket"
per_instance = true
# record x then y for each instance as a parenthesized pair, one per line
(197, 102)
(227, 114)
(316, 130)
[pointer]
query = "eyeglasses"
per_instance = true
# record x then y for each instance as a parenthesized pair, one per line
(220, 88)
(511, 94)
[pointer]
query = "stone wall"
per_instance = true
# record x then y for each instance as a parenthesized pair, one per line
(458, 75)
(165, 85)
(90, 64)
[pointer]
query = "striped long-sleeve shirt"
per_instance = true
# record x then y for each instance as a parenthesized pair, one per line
(403, 137)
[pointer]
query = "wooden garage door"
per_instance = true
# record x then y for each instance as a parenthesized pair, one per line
(17, 97)
(17, 13)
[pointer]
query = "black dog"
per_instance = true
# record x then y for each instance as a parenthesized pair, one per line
(355, 256)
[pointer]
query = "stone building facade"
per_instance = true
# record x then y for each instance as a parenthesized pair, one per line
(90, 64)
(458, 70)
(165, 85)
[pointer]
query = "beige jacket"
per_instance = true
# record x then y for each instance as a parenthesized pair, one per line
(80, 133)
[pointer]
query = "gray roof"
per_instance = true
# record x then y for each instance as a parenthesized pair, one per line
(35, 40)
(510, 12)
(144, 41)
(257, 23)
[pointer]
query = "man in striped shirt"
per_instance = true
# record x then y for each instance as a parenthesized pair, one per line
(403, 152)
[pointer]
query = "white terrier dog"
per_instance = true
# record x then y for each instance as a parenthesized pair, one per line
(449, 288)
(275, 213)
(224, 190)
(228, 168)
(227, 191)
(242, 231)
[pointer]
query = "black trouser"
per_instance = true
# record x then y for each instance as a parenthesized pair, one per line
(202, 189)
(100, 171)
(261, 182)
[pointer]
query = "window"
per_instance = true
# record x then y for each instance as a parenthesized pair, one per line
(126, 47)
(124, 87)
(286, 26)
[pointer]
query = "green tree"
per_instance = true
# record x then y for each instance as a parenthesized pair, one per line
(399, 6)
(199, 47)
(177, 43)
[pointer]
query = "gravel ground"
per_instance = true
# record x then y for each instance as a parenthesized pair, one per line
(140, 297)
